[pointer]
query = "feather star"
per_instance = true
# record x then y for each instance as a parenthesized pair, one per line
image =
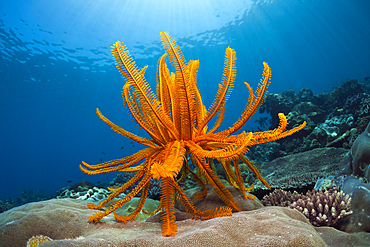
(177, 121)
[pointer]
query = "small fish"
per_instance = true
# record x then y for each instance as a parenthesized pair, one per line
(132, 142)
(122, 147)
(133, 145)
(101, 159)
(69, 181)
(102, 152)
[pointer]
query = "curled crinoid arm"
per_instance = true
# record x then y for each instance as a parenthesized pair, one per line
(215, 212)
(231, 151)
(240, 181)
(117, 191)
(197, 214)
(117, 164)
(152, 212)
(278, 133)
(119, 203)
(203, 193)
(216, 184)
(137, 210)
(254, 170)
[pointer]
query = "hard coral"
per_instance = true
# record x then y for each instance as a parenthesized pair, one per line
(37, 240)
(322, 208)
(281, 198)
(64, 220)
(93, 194)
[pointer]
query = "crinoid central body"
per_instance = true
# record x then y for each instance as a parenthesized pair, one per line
(177, 122)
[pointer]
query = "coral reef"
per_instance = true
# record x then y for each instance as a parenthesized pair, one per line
(322, 208)
(122, 178)
(93, 194)
(64, 220)
(301, 170)
(6, 205)
(333, 119)
(37, 240)
(353, 179)
(28, 196)
(281, 198)
(84, 191)
(359, 220)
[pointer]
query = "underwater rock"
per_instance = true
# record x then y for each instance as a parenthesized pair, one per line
(65, 222)
(306, 95)
(302, 169)
(82, 186)
(354, 179)
(359, 190)
(358, 158)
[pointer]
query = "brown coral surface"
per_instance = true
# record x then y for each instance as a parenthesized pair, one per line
(301, 169)
(64, 220)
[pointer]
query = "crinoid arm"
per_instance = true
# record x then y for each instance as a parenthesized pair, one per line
(167, 202)
(216, 184)
(117, 164)
(176, 121)
(138, 208)
(278, 133)
(98, 216)
(254, 170)
(125, 133)
(173, 161)
(255, 100)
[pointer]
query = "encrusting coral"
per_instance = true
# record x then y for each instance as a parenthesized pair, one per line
(37, 240)
(177, 122)
(322, 208)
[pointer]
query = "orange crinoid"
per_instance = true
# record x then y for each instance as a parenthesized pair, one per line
(177, 122)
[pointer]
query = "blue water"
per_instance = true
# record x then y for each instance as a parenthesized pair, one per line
(56, 68)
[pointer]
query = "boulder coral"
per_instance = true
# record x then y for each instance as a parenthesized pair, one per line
(64, 220)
